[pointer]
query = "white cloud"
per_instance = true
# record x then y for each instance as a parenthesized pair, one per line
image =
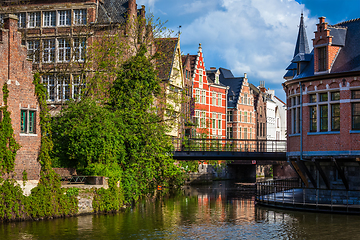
(253, 36)
(150, 4)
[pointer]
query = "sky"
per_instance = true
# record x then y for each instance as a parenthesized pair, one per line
(256, 37)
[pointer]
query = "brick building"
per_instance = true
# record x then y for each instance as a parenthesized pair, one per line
(23, 106)
(58, 35)
(241, 119)
(323, 100)
(210, 98)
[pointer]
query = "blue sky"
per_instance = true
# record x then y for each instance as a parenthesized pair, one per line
(256, 37)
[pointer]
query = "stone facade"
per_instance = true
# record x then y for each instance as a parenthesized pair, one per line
(16, 70)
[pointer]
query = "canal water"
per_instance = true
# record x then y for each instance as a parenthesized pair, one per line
(222, 210)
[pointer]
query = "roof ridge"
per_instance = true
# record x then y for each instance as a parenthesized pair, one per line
(348, 21)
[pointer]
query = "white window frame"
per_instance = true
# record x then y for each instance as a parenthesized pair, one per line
(49, 19)
(34, 19)
(63, 50)
(48, 50)
(33, 50)
(80, 16)
(64, 17)
(79, 46)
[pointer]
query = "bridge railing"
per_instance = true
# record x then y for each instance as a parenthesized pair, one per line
(229, 145)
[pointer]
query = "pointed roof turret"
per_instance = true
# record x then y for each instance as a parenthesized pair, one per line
(302, 45)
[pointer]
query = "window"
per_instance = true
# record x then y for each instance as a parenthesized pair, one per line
(324, 118)
(250, 117)
(49, 19)
(239, 116)
(80, 16)
(323, 97)
(197, 95)
(219, 121)
(335, 117)
(250, 133)
(245, 133)
(63, 50)
(219, 99)
(322, 59)
(355, 114)
(213, 121)
(229, 132)
(355, 110)
(229, 116)
(335, 96)
(197, 118)
(203, 97)
(79, 49)
(34, 19)
(245, 117)
(245, 98)
(216, 79)
(312, 98)
(213, 101)
(48, 50)
(64, 17)
(63, 87)
(22, 20)
(33, 50)
(295, 114)
(355, 94)
(200, 79)
(77, 85)
(313, 119)
(27, 121)
(49, 82)
(203, 120)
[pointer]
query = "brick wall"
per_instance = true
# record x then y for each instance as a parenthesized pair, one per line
(16, 71)
(342, 140)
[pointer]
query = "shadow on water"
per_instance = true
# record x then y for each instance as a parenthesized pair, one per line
(222, 210)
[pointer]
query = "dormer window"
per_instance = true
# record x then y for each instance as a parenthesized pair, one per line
(298, 68)
(322, 59)
(217, 79)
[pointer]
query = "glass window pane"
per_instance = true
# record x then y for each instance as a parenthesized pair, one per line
(312, 98)
(323, 97)
(335, 96)
(23, 122)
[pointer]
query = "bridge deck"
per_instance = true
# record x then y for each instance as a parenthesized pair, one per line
(239, 150)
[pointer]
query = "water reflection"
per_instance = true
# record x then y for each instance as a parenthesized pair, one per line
(224, 210)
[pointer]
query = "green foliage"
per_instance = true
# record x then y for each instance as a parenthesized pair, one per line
(8, 145)
(120, 136)
(86, 133)
(12, 201)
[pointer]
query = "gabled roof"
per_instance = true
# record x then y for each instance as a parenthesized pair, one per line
(235, 83)
(113, 11)
(166, 48)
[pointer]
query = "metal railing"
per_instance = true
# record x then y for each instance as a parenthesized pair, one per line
(229, 145)
(289, 193)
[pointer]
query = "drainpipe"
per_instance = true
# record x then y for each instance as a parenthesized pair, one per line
(301, 122)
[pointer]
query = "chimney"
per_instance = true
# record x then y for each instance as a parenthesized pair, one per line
(10, 22)
(212, 68)
(245, 75)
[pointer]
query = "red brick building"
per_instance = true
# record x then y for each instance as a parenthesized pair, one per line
(210, 99)
(15, 70)
(323, 102)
